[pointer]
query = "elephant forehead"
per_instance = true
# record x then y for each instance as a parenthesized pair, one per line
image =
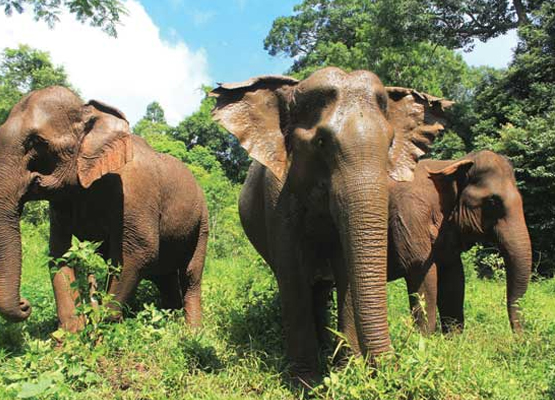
(332, 78)
(488, 161)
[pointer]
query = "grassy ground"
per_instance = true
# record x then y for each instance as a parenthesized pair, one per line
(239, 353)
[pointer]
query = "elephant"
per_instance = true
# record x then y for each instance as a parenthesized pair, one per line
(449, 206)
(315, 200)
(103, 184)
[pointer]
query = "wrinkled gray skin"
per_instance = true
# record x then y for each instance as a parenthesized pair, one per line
(103, 184)
(315, 201)
(449, 206)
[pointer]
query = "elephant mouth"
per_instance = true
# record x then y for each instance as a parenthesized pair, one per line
(35, 188)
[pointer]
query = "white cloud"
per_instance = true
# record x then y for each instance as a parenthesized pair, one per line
(128, 72)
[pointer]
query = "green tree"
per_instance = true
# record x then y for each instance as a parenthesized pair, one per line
(449, 146)
(359, 34)
(226, 235)
(155, 113)
(320, 28)
(167, 144)
(200, 129)
(153, 122)
(516, 116)
(104, 14)
(385, 23)
(456, 23)
(25, 69)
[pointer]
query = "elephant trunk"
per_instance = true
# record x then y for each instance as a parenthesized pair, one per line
(363, 201)
(515, 246)
(12, 306)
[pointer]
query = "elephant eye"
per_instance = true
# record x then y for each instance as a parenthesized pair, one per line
(495, 201)
(34, 139)
(382, 102)
(494, 207)
(322, 137)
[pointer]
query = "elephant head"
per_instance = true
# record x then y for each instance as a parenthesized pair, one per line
(334, 138)
(50, 144)
(488, 206)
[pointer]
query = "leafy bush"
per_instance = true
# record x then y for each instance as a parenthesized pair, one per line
(515, 115)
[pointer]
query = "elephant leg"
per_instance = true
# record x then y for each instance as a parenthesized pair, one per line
(320, 302)
(122, 287)
(299, 326)
(67, 299)
(346, 317)
(191, 279)
(133, 246)
(451, 294)
(422, 289)
(170, 290)
(65, 294)
(345, 311)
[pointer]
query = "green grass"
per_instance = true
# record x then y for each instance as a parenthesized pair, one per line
(239, 352)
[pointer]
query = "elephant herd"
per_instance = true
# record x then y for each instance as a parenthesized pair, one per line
(335, 197)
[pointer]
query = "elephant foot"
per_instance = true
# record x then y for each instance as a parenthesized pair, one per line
(305, 380)
(114, 312)
(72, 324)
(451, 326)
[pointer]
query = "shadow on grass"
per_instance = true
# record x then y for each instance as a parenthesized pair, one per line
(255, 331)
(39, 325)
(14, 337)
(201, 356)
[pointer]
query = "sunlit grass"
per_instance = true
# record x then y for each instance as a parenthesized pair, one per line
(238, 354)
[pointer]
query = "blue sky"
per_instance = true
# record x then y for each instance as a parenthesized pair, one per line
(230, 31)
(232, 34)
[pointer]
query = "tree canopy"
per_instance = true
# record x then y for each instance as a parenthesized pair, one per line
(198, 129)
(384, 23)
(104, 14)
(155, 113)
(25, 69)
(201, 130)
(515, 116)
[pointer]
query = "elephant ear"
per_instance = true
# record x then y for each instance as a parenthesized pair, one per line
(106, 146)
(451, 172)
(417, 119)
(254, 111)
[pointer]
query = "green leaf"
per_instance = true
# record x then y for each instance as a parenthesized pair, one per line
(30, 389)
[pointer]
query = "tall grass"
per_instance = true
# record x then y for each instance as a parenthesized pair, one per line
(239, 352)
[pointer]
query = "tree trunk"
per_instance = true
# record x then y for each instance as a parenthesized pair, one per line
(520, 12)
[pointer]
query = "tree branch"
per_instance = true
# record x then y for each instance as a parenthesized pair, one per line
(520, 12)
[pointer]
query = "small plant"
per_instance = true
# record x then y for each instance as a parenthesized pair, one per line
(489, 264)
(93, 303)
